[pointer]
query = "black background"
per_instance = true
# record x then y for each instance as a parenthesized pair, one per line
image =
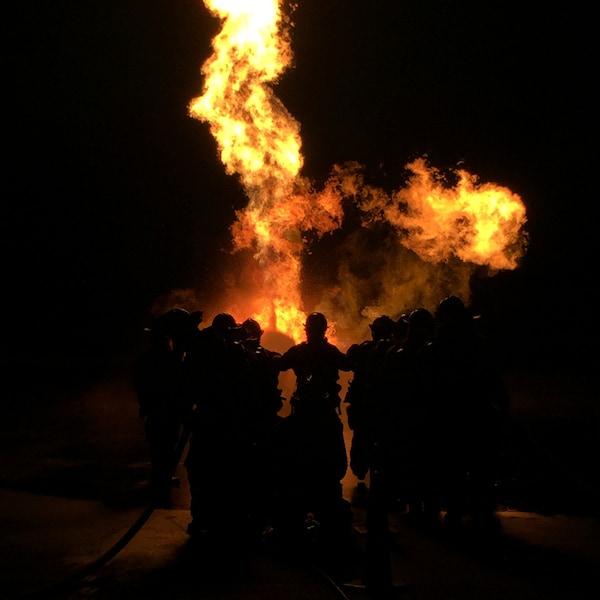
(114, 195)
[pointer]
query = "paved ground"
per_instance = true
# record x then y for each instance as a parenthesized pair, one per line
(72, 474)
(46, 539)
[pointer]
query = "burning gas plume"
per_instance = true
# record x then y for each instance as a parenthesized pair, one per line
(399, 250)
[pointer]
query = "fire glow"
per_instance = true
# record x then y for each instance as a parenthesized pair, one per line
(442, 233)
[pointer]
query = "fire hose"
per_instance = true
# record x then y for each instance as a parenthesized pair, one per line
(72, 579)
(69, 582)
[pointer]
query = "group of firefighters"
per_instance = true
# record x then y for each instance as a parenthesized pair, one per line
(425, 403)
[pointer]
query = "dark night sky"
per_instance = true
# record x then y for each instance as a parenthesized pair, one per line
(114, 196)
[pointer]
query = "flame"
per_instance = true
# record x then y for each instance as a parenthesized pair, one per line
(257, 137)
(259, 141)
(478, 223)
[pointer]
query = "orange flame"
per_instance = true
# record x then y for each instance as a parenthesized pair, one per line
(477, 223)
(259, 140)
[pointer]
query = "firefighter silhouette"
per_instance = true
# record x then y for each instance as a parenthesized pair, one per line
(158, 379)
(312, 457)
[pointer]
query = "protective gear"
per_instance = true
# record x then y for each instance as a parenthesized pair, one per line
(316, 322)
(451, 310)
(224, 321)
(421, 317)
(253, 329)
(382, 327)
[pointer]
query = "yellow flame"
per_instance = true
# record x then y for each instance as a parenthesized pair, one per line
(478, 223)
(258, 140)
(257, 137)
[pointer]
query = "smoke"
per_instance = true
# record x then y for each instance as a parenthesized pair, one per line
(366, 272)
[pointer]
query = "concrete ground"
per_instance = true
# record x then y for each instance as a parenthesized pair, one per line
(73, 473)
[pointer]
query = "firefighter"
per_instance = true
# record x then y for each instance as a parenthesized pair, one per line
(158, 379)
(471, 405)
(216, 462)
(265, 401)
(312, 457)
(405, 423)
(366, 359)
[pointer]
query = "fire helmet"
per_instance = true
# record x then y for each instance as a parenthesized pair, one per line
(253, 328)
(316, 323)
(223, 321)
(382, 327)
(421, 318)
(451, 310)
